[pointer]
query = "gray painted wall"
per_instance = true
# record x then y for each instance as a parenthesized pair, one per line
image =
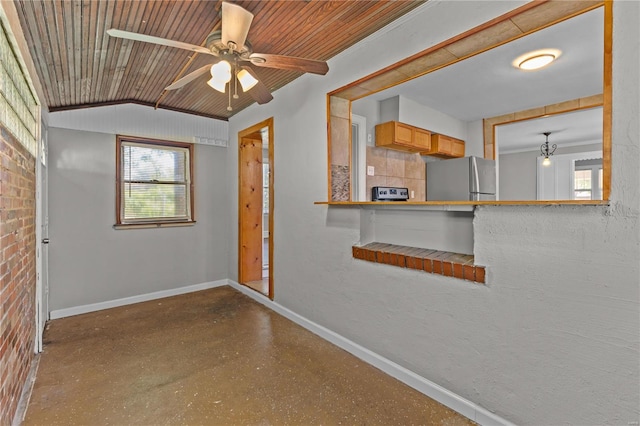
(432, 229)
(518, 171)
(90, 262)
(553, 337)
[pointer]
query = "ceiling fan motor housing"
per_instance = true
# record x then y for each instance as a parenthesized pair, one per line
(215, 45)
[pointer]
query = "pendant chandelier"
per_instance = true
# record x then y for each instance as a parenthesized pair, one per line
(547, 151)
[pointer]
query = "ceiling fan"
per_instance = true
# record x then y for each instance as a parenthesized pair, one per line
(234, 56)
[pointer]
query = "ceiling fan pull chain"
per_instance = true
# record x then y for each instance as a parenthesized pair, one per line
(229, 107)
(235, 80)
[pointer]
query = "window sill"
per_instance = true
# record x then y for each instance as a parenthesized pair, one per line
(153, 225)
(449, 264)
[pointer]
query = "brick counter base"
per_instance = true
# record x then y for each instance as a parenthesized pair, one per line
(445, 263)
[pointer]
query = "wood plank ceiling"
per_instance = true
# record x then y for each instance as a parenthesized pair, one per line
(81, 66)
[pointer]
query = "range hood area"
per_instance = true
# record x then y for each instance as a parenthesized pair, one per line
(404, 110)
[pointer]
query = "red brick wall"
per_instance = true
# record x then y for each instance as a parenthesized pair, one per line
(17, 270)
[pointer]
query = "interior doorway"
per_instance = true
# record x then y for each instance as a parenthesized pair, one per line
(255, 207)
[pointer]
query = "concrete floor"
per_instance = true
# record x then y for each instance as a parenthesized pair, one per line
(261, 286)
(214, 357)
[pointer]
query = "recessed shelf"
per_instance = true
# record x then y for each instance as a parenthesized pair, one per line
(445, 263)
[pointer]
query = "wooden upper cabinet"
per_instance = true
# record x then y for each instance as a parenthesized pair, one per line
(403, 134)
(403, 137)
(422, 139)
(457, 148)
(445, 147)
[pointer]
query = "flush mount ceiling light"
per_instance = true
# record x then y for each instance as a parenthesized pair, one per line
(546, 151)
(536, 59)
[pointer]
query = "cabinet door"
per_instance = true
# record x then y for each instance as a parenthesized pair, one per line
(422, 139)
(404, 134)
(457, 148)
(385, 134)
(443, 144)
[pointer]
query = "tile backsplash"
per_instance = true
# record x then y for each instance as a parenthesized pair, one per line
(396, 168)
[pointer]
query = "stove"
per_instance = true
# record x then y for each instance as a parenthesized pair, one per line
(389, 193)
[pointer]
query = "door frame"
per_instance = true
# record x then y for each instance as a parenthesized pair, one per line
(42, 226)
(359, 156)
(257, 128)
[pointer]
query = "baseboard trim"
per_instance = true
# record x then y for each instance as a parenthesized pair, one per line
(461, 405)
(25, 395)
(77, 310)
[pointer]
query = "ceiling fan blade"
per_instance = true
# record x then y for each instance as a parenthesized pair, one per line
(188, 78)
(260, 93)
(235, 24)
(157, 40)
(289, 63)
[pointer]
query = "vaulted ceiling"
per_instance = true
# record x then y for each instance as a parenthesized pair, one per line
(81, 66)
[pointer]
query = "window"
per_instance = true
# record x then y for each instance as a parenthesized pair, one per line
(19, 111)
(587, 180)
(583, 184)
(154, 182)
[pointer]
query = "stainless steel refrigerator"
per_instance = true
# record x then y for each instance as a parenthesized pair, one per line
(461, 179)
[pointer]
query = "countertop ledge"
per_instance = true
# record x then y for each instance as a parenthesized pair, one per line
(444, 204)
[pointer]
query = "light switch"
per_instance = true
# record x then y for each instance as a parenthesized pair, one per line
(413, 194)
(370, 171)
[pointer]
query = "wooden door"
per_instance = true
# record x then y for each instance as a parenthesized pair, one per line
(250, 212)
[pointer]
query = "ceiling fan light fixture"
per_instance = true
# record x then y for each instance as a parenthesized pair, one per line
(247, 81)
(217, 84)
(535, 60)
(230, 46)
(221, 72)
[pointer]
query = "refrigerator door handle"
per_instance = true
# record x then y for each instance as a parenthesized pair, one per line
(474, 181)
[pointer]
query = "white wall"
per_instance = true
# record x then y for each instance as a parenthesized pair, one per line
(90, 262)
(389, 109)
(518, 171)
(475, 139)
(552, 338)
(143, 121)
(435, 121)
